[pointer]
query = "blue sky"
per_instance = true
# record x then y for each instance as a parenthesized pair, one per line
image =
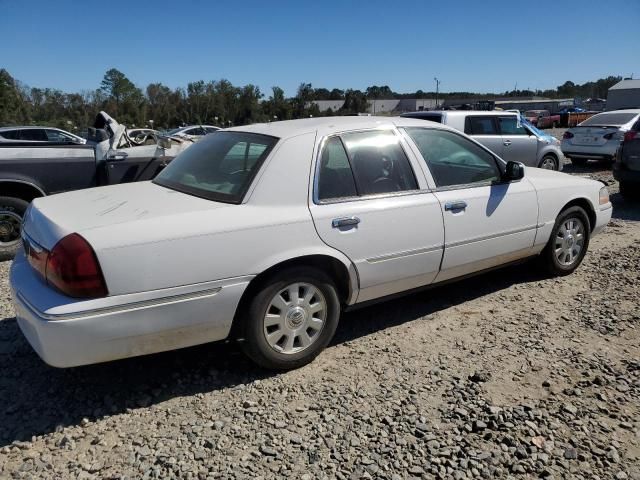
(483, 45)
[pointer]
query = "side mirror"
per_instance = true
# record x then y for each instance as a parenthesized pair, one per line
(514, 171)
(164, 142)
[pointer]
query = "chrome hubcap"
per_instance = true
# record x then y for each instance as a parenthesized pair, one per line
(569, 241)
(9, 228)
(548, 163)
(294, 318)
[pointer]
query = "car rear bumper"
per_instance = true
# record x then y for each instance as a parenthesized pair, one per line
(605, 151)
(123, 330)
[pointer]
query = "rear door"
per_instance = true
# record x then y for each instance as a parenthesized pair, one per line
(487, 222)
(484, 129)
(369, 204)
(519, 144)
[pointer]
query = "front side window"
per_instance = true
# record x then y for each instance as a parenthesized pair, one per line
(510, 126)
(219, 167)
(57, 136)
(475, 125)
(452, 159)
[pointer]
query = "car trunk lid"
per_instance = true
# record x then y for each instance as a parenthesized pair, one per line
(592, 135)
(49, 219)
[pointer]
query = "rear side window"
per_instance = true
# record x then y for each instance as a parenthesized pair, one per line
(476, 125)
(33, 134)
(452, 159)
(335, 176)
(219, 167)
(364, 163)
(510, 126)
(11, 134)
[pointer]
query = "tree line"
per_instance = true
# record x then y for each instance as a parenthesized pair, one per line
(215, 102)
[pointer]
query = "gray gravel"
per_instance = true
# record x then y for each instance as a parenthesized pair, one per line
(508, 375)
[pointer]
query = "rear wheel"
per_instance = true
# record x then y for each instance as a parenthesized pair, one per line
(291, 319)
(568, 243)
(548, 162)
(11, 214)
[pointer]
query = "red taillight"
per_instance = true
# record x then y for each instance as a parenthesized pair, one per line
(630, 135)
(72, 267)
(567, 135)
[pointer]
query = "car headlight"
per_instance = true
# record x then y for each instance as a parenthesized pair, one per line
(604, 196)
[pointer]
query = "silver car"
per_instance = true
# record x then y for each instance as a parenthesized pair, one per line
(507, 134)
(598, 137)
(39, 134)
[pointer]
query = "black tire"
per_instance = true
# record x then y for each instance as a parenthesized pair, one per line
(579, 162)
(548, 258)
(11, 215)
(252, 329)
(547, 158)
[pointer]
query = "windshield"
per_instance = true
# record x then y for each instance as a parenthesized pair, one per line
(608, 119)
(220, 167)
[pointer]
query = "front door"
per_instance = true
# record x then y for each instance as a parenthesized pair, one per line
(520, 145)
(367, 203)
(487, 222)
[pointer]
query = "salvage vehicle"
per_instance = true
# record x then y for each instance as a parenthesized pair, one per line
(626, 168)
(542, 118)
(507, 134)
(599, 136)
(39, 134)
(31, 169)
(264, 233)
(143, 136)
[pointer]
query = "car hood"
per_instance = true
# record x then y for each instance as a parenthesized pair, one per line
(102, 209)
(542, 178)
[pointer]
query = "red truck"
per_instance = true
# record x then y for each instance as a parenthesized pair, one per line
(542, 118)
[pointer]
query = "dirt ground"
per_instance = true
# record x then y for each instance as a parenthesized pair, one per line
(507, 375)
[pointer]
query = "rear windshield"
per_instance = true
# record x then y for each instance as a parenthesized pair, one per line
(219, 167)
(609, 119)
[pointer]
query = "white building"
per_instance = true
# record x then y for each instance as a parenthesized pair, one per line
(624, 94)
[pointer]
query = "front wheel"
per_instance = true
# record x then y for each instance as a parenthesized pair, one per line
(291, 319)
(568, 243)
(548, 162)
(11, 214)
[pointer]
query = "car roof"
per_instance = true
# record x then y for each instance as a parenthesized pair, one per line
(628, 110)
(459, 113)
(329, 125)
(26, 127)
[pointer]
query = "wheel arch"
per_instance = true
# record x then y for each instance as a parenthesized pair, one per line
(21, 189)
(342, 273)
(586, 205)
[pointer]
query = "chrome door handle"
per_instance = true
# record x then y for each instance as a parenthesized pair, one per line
(506, 143)
(344, 222)
(457, 205)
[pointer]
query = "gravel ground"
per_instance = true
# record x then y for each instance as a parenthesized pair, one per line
(507, 375)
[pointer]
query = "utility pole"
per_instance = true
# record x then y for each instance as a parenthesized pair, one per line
(437, 87)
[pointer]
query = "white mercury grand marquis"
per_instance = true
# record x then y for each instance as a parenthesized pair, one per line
(265, 233)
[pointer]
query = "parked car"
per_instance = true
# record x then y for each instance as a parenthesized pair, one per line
(264, 233)
(30, 169)
(542, 118)
(39, 134)
(571, 110)
(505, 133)
(626, 169)
(193, 131)
(599, 136)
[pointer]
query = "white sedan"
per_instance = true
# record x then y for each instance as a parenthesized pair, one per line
(265, 233)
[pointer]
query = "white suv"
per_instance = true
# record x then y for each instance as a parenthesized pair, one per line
(506, 134)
